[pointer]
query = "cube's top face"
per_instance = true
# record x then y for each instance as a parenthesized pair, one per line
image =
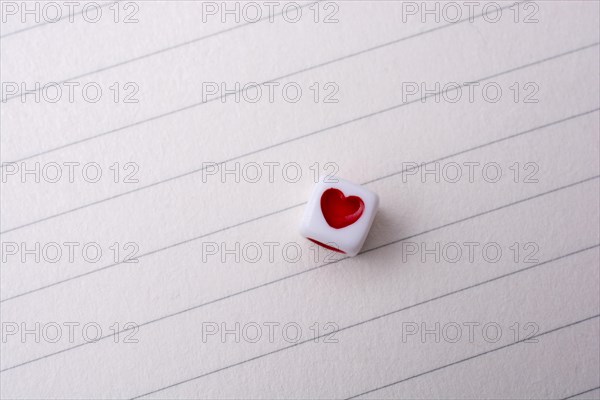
(339, 214)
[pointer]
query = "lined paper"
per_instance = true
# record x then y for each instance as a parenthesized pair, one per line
(479, 278)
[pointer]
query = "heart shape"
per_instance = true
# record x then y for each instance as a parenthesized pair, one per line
(340, 211)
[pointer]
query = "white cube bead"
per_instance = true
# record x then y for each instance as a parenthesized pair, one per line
(339, 215)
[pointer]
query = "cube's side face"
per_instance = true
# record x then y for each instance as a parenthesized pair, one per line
(348, 239)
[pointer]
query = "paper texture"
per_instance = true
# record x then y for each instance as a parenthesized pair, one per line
(153, 185)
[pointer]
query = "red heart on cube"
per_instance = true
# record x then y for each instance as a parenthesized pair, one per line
(340, 211)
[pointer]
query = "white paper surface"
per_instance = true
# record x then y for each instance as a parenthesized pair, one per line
(492, 240)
